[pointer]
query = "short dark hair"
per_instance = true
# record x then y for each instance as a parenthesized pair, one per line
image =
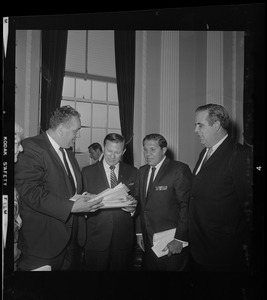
(114, 138)
(156, 137)
(216, 113)
(62, 115)
(95, 146)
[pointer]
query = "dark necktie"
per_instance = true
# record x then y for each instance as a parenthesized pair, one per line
(151, 181)
(113, 179)
(68, 170)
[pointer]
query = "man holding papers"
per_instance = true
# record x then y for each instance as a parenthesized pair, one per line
(161, 226)
(110, 231)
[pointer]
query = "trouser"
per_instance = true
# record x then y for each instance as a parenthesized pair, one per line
(110, 259)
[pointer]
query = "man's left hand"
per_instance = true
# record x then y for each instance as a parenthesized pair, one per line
(175, 247)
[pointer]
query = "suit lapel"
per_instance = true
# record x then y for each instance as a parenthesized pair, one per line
(75, 168)
(121, 173)
(199, 161)
(54, 153)
(103, 175)
(146, 171)
(161, 171)
(215, 156)
(61, 165)
(157, 179)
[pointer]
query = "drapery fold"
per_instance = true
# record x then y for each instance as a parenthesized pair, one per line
(54, 49)
(125, 73)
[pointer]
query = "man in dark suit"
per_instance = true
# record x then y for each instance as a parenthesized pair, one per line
(221, 197)
(45, 183)
(95, 152)
(163, 206)
(110, 231)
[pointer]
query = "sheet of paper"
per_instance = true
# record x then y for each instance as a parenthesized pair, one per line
(161, 239)
(43, 268)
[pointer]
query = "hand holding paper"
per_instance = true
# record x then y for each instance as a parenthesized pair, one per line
(164, 238)
(112, 198)
(132, 204)
(173, 247)
(86, 203)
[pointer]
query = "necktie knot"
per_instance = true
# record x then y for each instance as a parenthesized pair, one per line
(209, 152)
(112, 168)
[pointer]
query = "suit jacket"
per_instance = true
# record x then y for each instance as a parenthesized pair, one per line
(106, 224)
(167, 204)
(44, 192)
(217, 226)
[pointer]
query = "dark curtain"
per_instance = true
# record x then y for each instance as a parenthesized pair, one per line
(248, 89)
(125, 73)
(54, 48)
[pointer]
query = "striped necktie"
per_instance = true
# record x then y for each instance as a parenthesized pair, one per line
(113, 179)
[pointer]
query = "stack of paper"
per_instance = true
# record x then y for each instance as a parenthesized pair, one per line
(161, 239)
(119, 191)
(115, 197)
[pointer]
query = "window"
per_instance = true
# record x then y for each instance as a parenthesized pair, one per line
(92, 91)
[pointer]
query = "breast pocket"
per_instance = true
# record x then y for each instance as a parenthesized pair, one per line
(161, 188)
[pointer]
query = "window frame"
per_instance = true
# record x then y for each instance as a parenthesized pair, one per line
(107, 80)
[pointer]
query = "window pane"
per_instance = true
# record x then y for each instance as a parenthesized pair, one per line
(83, 159)
(113, 117)
(85, 110)
(112, 92)
(68, 87)
(114, 131)
(99, 115)
(83, 88)
(101, 53)
(98, 136)
(70, 103)
(75, 56)
(83, 140)
(99, 91)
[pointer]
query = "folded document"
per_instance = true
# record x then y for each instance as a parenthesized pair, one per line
(161, 239)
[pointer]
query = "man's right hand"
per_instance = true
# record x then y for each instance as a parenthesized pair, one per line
(83, 205)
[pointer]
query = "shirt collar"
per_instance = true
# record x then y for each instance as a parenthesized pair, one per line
(159, 164)
(53, 142)
(106, 166)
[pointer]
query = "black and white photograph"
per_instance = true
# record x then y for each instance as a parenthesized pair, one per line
(133, 154)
